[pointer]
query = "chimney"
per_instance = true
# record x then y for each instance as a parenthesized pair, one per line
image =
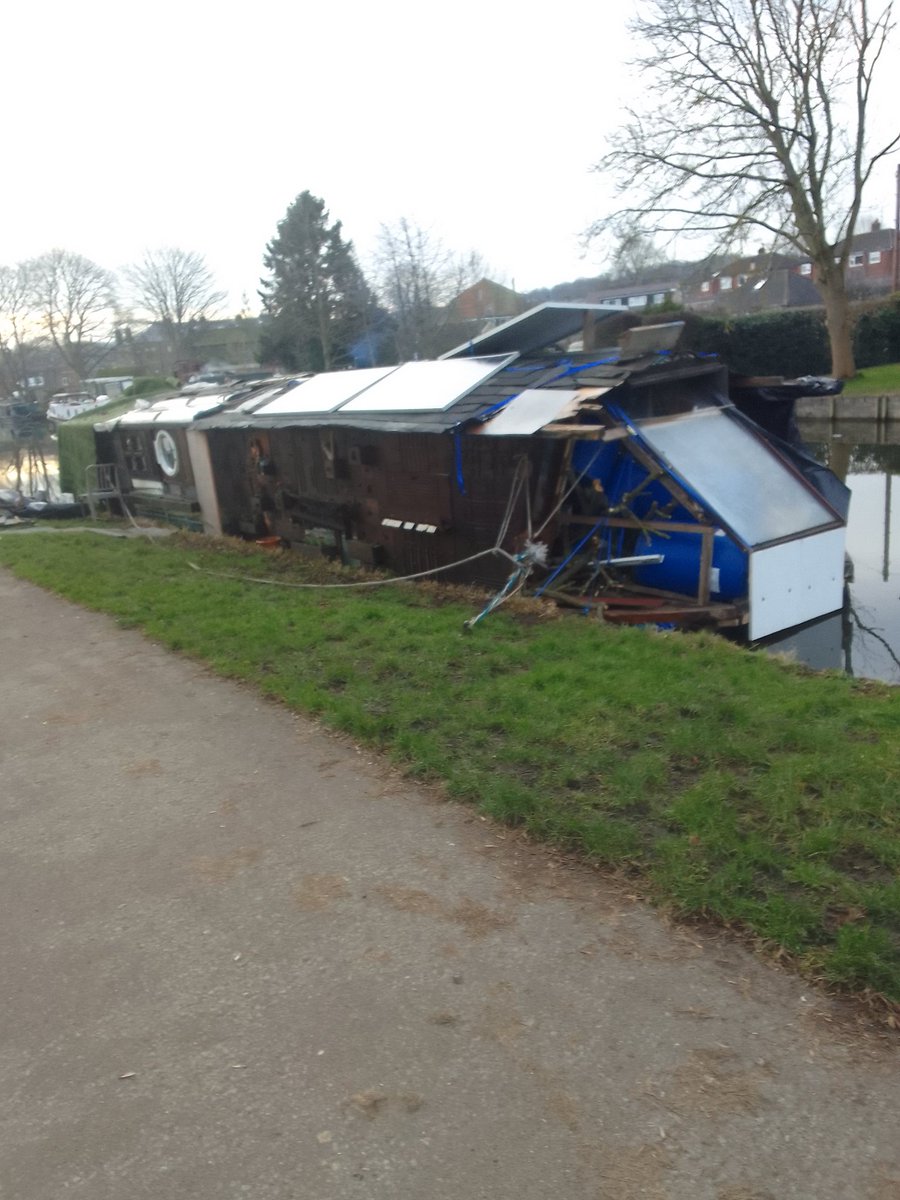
(876, 227)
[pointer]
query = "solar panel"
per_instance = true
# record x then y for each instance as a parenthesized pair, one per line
(427, 386)
(535, 329)
(259, 398)
(324, 393)
(733, 471)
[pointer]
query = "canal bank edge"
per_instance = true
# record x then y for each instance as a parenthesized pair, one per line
(849, 408)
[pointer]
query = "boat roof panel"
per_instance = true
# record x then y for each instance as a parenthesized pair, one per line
(323, 393)
(531, 410)
(558, 371)
(540, 327)
(175, 410)
(426, 386)
(735, 472)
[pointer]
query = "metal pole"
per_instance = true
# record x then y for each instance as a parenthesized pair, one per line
(886, 557)
(897, 235)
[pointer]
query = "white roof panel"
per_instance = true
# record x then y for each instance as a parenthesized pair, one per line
(534, 408)
(179, 410)
(427, 386)
(324, 393)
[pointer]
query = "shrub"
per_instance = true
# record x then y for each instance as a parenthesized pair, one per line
(877, 338)
(146, 385)
(792, 341)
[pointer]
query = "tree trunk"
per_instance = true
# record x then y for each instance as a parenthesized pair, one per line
(839, 323)
(324, 337)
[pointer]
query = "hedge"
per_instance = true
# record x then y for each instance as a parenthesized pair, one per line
(794, 341)
(877, 339)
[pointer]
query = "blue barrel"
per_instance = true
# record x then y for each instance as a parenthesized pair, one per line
(680, 570)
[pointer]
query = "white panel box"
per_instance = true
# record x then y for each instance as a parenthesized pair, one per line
(796, 582)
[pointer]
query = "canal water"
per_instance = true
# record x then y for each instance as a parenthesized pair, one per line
(874, 546)
(864, 639)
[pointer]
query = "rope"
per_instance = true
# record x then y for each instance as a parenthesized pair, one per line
(153, 533)
(365, 583)
(590, 533)
(533, 554)
(569, 492)
(515, 490)
(506, 593)
(528, 527)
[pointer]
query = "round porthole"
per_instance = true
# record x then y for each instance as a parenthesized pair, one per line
(166, 452)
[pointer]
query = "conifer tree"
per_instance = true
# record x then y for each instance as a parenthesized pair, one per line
(315, 296)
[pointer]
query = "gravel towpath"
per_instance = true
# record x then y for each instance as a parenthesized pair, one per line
(241, 958)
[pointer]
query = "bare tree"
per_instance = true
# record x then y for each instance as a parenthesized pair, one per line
(73, 299)
(635, 256)
(17, 328)
(417, 278)
(176, 288)
(757, 121)
(411, 268)
(467, 269)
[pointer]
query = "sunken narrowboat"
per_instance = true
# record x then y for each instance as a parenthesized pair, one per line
(622, 477)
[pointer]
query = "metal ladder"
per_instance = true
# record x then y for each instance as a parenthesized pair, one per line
(102, 486)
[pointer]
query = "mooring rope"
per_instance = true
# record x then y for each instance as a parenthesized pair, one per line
(364, 583)
(533, 553)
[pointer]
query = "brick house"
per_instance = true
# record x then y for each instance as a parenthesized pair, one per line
(764, 280)
(870, 264)
(637, 295)
(487, 301)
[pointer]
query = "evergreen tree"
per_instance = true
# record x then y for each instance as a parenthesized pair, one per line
(316, 297)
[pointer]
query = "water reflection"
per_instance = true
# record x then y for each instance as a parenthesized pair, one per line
(864, 640)
(29, 467)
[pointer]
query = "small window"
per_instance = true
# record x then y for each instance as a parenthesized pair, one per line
(659, 298)
(806, 268)
(874, 256)
(166, 453)
(704, 286)
(134, 456)
(857, 260)
(637, 301)
(725, 283)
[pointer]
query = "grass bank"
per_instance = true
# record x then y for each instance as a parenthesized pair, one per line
(740, 788)
(875, 381)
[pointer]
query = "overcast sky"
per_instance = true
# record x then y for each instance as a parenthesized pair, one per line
(194, 124)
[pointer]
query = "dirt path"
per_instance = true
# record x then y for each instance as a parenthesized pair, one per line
(238, 958)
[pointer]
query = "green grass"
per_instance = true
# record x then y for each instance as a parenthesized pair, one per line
(874, 381)
(737, 787)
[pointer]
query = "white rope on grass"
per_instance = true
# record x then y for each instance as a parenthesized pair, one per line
(519, 479)
(534, 553)
(153, 532)
(365, 583)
